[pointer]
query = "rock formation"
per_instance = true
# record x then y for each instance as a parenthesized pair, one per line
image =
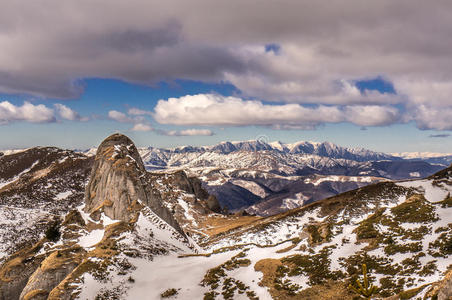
(119, 182)
(193, 186)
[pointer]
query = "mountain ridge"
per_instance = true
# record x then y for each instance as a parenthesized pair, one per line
(401, 230)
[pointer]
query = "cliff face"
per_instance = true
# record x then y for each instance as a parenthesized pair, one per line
(128, 212)
(193, 186)
(119, 182)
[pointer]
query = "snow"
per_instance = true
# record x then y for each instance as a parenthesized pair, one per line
(13, 151)
(92, 238)
(5, 183)
(431, 192)
(62, 195)
(415, 174)
(180, 273)
(186, 209)
(319, 180)
(291, 203)
(60, 161)
(411, 155)
(251, 186)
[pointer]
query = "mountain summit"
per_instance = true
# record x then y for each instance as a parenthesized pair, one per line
(119, 182)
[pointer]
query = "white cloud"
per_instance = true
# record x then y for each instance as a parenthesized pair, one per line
(210, 109)
(189, 132)
(123, 118)
(323, 50)
(68, 114)
(141, 127)
(426, 92)
(372, 115)
(138, 112)
(432, 118)
(27, 112)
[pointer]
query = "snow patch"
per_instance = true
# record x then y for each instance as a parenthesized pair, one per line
(92, 238)
(62, 195)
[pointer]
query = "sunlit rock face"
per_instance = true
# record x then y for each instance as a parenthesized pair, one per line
(119, 183)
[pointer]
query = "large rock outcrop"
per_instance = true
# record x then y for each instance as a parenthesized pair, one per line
(193, 186)
(119, 182)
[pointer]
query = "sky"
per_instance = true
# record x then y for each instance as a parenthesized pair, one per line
(372, 74)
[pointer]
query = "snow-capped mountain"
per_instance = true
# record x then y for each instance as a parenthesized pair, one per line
(284, 171)
(131, 238)
(444, 159)
(162, 157)
(146, 235)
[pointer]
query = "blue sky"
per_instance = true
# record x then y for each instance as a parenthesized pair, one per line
(103, 95)
(172, 73)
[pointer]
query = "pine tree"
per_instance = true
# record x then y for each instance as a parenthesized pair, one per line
(364, 289)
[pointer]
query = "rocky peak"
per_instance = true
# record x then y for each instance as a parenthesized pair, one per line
(119, 183)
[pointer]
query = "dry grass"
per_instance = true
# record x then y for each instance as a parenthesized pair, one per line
(36, 293)
(268, 268)
(11, 269)
(213, 225)
(332, 290)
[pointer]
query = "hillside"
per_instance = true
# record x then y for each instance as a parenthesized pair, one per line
(143, 235)
(269, 178)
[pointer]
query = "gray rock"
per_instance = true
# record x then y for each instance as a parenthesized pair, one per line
(119, 182)
(445, 292)
(51, 272)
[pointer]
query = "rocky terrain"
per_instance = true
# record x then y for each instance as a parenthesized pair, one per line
(268, 178)
(37, 185)
(140, 235)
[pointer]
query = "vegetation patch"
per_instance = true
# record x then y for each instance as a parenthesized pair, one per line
(53, 231)
(366, 229)
(415, 210)
(216, 277)
(316, 267)
(169, 293)
(403, 248)
(442, 246)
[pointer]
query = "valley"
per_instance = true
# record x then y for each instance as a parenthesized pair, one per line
(121, 232)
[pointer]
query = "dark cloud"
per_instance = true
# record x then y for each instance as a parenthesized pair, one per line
(439, 135)
(315, 52)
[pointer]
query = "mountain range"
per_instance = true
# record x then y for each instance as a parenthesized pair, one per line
(103, 227)
(268, 178)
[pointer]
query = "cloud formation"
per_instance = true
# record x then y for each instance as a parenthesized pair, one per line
(299, 52)
(67, 113)
(39, 113)
(443, 135)
(142, 127)
(123, 118)
(27, 112)
(428, 117)
(211, 109)
(189, 132)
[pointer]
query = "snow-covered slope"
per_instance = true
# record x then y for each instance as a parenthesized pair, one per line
(234, 171)
(37, 185)
(68, 250)
(401, 231)
(444, 159)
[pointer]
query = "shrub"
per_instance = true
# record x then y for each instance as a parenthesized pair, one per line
(53, 231)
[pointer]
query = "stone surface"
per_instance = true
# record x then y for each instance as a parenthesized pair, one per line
(50, 273)
(445, 292)
(119, 182)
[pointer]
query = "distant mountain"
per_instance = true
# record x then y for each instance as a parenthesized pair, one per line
(284, 171)
(444, 159)
(80, 227)
(400, 230)
(325, 149)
